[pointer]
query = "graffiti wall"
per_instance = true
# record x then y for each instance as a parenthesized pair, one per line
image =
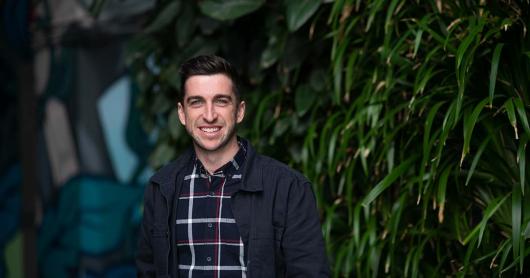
(91, 150)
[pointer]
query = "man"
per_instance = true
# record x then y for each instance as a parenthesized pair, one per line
(221, 209)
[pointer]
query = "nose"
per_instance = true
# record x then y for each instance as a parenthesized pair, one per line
(210, 115)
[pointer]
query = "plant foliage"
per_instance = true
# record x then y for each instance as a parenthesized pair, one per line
(409, 117)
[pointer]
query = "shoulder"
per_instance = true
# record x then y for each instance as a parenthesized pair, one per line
(168, 173)
(274, 168)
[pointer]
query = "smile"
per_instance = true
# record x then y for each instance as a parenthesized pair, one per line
(210, 129)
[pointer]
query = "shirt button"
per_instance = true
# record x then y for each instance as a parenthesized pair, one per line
(210, 225)
(209, 259)
(211, 193)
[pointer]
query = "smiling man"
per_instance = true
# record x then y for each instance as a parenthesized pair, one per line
(221, 209)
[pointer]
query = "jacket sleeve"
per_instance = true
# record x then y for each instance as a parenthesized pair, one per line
(144, 255)
(302, 243)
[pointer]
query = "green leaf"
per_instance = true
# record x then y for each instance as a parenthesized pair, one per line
(318, 80)
(522, 114)
(387, 181)
(417, 41)
(389, 15)
(185, 25)
(295, 52)
(305, 96)
(493, 206)
(281, 126)
(469, 125)
(467, 257)
(137, 48)
(299, 11)
(476, 159)
(474, 30)
(521, 159)
(508, 105)
(516, 220)
(493, 71)
(171, 76)
(229, 9)
(166, 15)
(261, 115)
(338, 70)
(274, 50)
(504, 256)
(332, 150)
(199, 45)
(427, 133)
(440, 196)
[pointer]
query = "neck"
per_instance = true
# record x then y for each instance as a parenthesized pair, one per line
(213, 160)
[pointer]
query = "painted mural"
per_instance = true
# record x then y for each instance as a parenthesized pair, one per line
(92, 151)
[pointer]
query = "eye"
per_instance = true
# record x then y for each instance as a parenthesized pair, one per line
(222, 101)
(195, 102)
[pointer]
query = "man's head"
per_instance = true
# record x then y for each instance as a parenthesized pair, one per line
(208, 65)
(209, 106)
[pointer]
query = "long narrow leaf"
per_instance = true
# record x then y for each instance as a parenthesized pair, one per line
(516, 220)
(469, 125)
(522, 114)
(488, 213)
(510, 111)
(387, 181)
(476, 159)
(521, 159)
(442, 187)
(164, 17)
(493, 71)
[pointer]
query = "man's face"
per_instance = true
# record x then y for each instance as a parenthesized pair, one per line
(210, 111)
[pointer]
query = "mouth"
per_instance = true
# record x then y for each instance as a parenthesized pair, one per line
(210, 130)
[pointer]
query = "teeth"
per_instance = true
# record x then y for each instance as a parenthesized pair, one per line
(210, 129)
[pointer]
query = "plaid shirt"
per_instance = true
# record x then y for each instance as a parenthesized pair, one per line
(208, 239)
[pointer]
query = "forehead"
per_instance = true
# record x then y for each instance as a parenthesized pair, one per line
(208, 86)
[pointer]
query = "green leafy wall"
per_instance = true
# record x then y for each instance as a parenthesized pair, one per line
(409, 117)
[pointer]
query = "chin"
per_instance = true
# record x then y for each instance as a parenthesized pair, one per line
(209, 146)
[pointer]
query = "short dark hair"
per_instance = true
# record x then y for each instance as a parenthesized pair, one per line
(207, 65)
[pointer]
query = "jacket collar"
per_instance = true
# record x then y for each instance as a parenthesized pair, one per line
(166, 177)
(253, 170)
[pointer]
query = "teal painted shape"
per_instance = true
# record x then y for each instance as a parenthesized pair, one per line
(113, 109)
(94, 217)
(106, 211)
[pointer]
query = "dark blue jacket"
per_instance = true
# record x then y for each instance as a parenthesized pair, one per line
(274, 209)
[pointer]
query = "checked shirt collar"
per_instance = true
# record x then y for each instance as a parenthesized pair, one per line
(231, 168)
(208, 239)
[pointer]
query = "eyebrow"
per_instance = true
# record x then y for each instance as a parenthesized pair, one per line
(218, 96)
(189, 99)
(229, 97)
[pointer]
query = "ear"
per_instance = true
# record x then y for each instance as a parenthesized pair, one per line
(240, 113)
(182, 115)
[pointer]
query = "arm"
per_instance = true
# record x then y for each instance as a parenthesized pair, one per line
(144, 255)
(302, 243)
